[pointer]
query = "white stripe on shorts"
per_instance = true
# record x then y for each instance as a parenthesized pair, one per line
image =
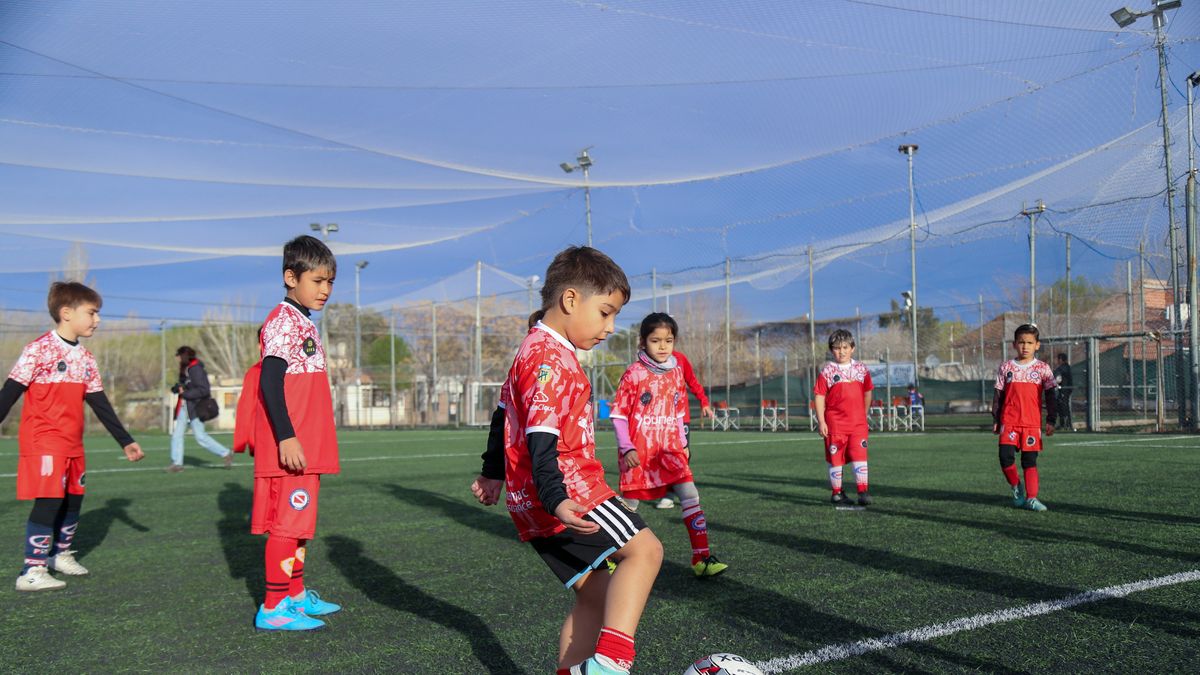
(612, 525)
(622, 519)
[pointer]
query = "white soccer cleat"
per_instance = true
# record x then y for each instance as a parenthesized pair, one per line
(65, 562)
(664, 503)
(37, 578)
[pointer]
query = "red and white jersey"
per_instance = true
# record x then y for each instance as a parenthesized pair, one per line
(57, 375)
(547, 391)
(845, 389)
(1023, 387)
(653, 403)
(290, 335)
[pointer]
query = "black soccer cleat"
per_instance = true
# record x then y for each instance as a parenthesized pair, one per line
(840, 499)
(864, 498)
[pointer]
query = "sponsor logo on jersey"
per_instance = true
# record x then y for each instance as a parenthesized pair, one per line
(310, 346)
(645, 398)
(298, 500)
(540, 397)
(62, 366)
(544, 373)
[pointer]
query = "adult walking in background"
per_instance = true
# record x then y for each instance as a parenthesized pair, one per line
(192, 387)
(1066, 384)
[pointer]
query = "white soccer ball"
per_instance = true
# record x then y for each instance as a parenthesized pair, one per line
(723, 664)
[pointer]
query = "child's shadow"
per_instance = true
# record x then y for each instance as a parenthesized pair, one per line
(243, 552)
(97, 523)
(385, 587)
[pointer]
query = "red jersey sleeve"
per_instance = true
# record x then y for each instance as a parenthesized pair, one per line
(867, 384)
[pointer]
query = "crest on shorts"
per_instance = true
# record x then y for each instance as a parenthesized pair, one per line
(310, 346)
(82, 479)
(863, 443)
(298, 500)
(62, 366)
(645, 398)
(1012, 435)
(545, 373)
(1030, 440)
(833, 449)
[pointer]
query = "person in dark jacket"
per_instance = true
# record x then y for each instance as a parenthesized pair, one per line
(191, 387)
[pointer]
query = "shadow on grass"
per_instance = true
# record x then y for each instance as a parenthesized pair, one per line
(243, 551)
(95, 524)
(992, 582)
(385, 587)
(936, 494)
(493, 520)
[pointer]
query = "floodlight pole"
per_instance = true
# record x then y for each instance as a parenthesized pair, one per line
(358, 268)
(728, 335)
(584, 162)
(812, 320)
(910, 150)
(325, 229)
(653, 289)
(1193, 81)
(1069, 295)
(1032, 215)
(667, 295)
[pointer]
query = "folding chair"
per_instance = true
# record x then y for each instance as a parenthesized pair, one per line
(877, 416)
(900, 414)
(769, 417)
(724, 416)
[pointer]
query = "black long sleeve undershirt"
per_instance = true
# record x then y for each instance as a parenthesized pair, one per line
(9, 395)
(271, 385)
(493, 456)
(543, 453)
(98, 401)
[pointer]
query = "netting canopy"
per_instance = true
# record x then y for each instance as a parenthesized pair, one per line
(173, 146)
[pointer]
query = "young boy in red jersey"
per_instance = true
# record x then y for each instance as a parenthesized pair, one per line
(1021, 384)
(57, 375)
(556, 492)
(293, 437)
(842, 395)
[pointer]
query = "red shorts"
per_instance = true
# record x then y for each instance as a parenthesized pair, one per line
(50, 476)
(1027, 439)
(286, 506)
(846, 447)
(648, 493)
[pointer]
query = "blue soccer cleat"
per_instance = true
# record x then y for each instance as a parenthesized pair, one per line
(1034, 505)
(287, 616)
(594, 667)
(312, 604)
(1018, 493)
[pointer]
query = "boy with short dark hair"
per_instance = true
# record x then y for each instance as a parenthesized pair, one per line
(57, 375)
(556, 492)
(841, 396)
(1020, 385)
(293, 437)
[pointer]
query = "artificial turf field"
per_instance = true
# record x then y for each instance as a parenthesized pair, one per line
(434, 583)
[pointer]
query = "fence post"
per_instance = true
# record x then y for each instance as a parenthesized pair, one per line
(1093, 361)
(1159, 406)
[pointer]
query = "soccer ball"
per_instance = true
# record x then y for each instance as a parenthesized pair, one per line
(723, 664)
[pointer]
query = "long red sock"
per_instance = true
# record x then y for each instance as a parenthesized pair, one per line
(563, 671)
(296, 587)
(617, 647)
(280, 555)
(1031, 482)
(697, 527)
(1010, 475)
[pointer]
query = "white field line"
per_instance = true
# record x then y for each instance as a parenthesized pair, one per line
(1125, 440)
(851, 649)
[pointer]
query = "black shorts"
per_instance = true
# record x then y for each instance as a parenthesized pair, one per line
(571, 555)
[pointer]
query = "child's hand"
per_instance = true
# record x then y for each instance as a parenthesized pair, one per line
(706, 411)
(823, 428)
(133, 452)
(291, 455)
(569, 512)
(631, 459)
(487, 490)
(995, 428)
(1049, 429)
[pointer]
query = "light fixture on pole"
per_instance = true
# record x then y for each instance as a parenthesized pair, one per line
(1193, 81)
(1125, 17)
(532, 285)
(584, 163)
(358, 268)
(909, 150)
(1032, 215)
(667, 286)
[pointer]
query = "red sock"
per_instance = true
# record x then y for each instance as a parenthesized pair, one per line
(1031, 482)
(697, 527)
(616, 646)
(1010, 474)
(296, 587)
(563, 671)
(281, 552)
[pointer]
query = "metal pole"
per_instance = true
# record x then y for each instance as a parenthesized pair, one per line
(1093, 371)
(478, 320)
(909, 150)
(728, 334)
(653, 290)
(434, 385)
(357, 326)
(1068, 295)
(1192, 284)
(392, 407)
(166, 384)
(1160, 41)
(1142, 318)
(667, 294)
(1129, 324)
(587, 200)
(812, 319)
(1032, 214)
(758, 371)
(707, 358)
(982, 365)
(786, 402)
(862, 343)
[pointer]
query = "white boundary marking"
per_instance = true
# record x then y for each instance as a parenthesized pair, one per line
(1124, 440)
(850, 649)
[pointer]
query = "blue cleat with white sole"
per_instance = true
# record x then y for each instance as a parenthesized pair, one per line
(312, 605)
(287, 616)
(1018, 493)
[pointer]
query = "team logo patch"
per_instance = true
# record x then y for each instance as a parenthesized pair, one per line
(286, 565)
(1012, 435)
(545, 373)
(837, 378)
(646, 398)
(833, 449)
(1030, 440)
(699, 523)
(863, 443)
(62, 366)
(310, 346)
(540, 397)
(301, 552)
(82, 479)
(298, 500)
(41, 542)
(1008, 376)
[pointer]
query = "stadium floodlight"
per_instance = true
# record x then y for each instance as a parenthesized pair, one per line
(907, 295)
(325, 229)
(584, 163)
(1124, 16)
(1167, 4)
